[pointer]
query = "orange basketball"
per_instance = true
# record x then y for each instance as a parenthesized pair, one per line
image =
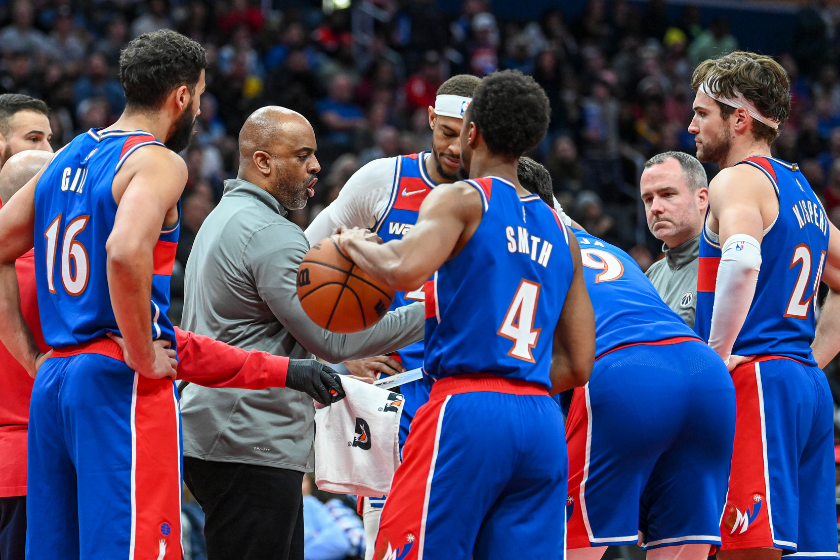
(336, 294)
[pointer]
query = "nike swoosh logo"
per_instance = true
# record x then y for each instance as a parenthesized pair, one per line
(406, 193)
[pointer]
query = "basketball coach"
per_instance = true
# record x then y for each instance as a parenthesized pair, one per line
(245, 452)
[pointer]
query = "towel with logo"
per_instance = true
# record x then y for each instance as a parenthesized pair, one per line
(357, 440)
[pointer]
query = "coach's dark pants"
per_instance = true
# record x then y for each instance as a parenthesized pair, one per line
(12, 528)
(252, 512)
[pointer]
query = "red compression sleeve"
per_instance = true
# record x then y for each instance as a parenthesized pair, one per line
(211, 363)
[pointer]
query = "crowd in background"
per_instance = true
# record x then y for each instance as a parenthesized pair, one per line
(617, 76)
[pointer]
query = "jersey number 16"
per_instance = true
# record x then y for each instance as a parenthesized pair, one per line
(74, 279)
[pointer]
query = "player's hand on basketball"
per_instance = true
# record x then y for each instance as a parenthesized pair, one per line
(358, 234)
(369, 367)
(735, 361)
(164, 365)
(317, 380)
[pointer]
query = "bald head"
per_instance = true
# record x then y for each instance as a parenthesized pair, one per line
(19, 169)
(277, 153)
(267, 126)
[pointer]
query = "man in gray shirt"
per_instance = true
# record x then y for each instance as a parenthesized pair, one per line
(245, 452)
(675, 191)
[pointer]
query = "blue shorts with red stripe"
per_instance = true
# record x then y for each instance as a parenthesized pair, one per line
(781, 492)
(650, 443)
(104, 473)
(483, 475)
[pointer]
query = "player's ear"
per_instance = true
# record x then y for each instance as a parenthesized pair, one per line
(702, 196)
(472, 135)
(432, 117)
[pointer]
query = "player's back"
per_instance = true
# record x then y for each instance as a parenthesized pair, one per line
(493, 308)
(628, 309)
(781, 319)
(74, 215)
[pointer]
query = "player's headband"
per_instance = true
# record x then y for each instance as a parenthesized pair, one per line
(451, 105)
(740, 102)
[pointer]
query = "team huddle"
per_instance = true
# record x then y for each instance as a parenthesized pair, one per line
(685, 441)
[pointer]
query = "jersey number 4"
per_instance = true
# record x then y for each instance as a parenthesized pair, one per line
(73, 278)
(518, 325)
(798, 307)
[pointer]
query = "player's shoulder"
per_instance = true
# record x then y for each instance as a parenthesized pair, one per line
(156, 158)
(738, 177)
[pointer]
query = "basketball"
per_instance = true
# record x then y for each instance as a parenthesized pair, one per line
(336, 294)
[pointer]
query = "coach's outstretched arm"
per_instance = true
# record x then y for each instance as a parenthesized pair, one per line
(574, 338)
(448, 218)
(826, 343)
(17, 225)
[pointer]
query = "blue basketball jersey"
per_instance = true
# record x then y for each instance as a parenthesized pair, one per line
(781, 319)
(411, 186)
(74, 216)
(494, 307)
(628, 309)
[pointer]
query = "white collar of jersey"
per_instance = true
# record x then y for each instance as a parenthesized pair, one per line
(451, 105)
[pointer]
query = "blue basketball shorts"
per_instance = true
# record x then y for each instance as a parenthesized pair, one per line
(483, 476)
(104, 470)
(650, 443)
(781, 492)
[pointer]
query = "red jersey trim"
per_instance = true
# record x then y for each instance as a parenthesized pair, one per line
(134, 140)
(766, 165)
(101, 346)
(164, 257)
(675, 340)
(707, 274)
(484, 383)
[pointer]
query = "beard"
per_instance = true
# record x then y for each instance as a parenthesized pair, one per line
(184, 127)
(444, 174)
(293, 196)
(717, 150)
(462, 174)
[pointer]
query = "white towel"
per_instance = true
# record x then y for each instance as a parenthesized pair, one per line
(357, 440)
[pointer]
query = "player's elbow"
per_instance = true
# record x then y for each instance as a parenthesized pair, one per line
(122, 254)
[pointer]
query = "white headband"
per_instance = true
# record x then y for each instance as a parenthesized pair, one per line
(742, 102)
(451, 105)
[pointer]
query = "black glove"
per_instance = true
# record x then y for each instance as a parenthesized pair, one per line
(316, 380)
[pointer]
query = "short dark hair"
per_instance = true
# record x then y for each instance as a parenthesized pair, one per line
(511, 111)
(462, 84)
(536, 179)
(154, 64)
(13, 103)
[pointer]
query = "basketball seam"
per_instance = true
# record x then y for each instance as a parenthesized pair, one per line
(338, 299)
(349, 273)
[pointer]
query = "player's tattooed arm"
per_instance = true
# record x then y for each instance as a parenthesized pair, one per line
(17, 225)
(574, 338)
(448, 218)
(827, 341)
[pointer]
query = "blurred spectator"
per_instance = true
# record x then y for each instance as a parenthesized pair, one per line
(712, 43)
(97, 82)
(831, 193)
(483, 54)
(519, 55)
(155, 18)
(589, 213)
(241, 13)
(195, 210)
(564, 166)
(600, 137)
(323, 537)
(20, 36)
(827, 158)
(116, 36)
(66, 40)
(339, 114)
(387, 145)
(420, 88)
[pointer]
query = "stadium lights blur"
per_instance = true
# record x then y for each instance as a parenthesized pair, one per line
(329, 6)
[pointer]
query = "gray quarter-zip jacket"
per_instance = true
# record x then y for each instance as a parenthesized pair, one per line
(675, 278)
(240, 288)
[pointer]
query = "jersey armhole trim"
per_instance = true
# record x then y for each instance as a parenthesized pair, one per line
(484, 201)
(775, 186)
(133, 149)
(395, 186)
